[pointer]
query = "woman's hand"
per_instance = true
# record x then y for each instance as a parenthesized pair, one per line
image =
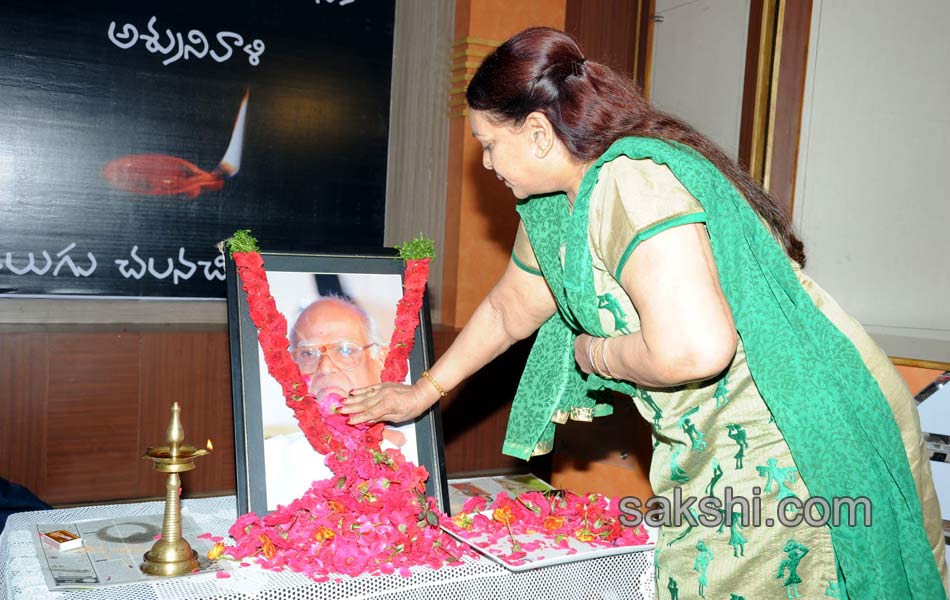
(390, 402)
(583, 348)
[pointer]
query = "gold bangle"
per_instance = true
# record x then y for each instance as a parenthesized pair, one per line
(596, 369)
(434, 383)
(603, 358)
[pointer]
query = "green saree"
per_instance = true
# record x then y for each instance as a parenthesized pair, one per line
(831, 412)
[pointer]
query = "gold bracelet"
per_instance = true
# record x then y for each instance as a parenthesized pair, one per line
(603, 358)
(434, 383)
(594, 366)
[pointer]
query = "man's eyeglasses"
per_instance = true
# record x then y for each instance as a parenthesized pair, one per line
(344, 355)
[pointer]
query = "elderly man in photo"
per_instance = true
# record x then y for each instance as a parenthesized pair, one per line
(334, 343)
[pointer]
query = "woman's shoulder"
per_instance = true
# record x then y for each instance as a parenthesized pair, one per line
(639, 176)
(623, 164)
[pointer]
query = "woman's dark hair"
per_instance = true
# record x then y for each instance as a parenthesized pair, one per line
(591, 106)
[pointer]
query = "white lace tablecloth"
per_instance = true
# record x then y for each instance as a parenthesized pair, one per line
(618, 577)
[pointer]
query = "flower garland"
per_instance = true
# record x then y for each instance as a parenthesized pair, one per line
(416, 254)
(373, 516)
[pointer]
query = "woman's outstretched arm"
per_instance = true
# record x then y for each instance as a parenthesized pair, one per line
(514, 309)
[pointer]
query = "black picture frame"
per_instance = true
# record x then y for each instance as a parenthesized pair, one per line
(249, 377)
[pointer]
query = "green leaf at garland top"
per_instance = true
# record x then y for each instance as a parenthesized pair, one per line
(419, 248)
(242, 241)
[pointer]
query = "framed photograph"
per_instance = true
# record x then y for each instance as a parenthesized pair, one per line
(340, 311)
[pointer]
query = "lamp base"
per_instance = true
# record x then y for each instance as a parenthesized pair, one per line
(170, 559)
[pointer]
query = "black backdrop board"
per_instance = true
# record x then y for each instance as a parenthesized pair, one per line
(114, 121)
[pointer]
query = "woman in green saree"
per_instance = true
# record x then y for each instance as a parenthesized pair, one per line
(649, 263)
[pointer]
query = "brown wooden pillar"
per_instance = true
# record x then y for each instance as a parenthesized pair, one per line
(776, 60)
(480, 220)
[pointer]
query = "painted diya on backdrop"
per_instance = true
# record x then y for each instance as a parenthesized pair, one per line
(164, 175)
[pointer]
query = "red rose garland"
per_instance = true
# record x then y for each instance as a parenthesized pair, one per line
(372, 516)
(417, 255)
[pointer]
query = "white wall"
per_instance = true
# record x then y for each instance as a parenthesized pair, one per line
(699, 65)
(872, 201)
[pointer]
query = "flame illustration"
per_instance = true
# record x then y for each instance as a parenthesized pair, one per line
(209, 446)
(164, 175)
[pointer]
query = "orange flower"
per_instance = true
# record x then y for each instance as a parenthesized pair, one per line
(324, 534)
(463, 520)
(267, 547)
(336, 506)
(584, 535)
(553, 523)
(216, 551)
(503, 514)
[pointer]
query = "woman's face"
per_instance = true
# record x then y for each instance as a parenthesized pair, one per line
(512, 153)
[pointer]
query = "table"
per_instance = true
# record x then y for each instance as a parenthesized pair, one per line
(618, 577)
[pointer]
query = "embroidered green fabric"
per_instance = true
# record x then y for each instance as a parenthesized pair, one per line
(836, 421)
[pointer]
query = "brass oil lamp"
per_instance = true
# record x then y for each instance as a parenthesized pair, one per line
(172, 555)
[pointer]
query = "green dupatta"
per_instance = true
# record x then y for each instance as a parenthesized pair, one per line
(833, 415)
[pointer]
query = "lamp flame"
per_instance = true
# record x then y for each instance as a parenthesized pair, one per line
(209, 446)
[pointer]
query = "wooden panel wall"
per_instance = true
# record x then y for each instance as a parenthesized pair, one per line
(606, 31)
(78, 409)
(23, 384)
(195, 368)
(475, 414)
(92, 407)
